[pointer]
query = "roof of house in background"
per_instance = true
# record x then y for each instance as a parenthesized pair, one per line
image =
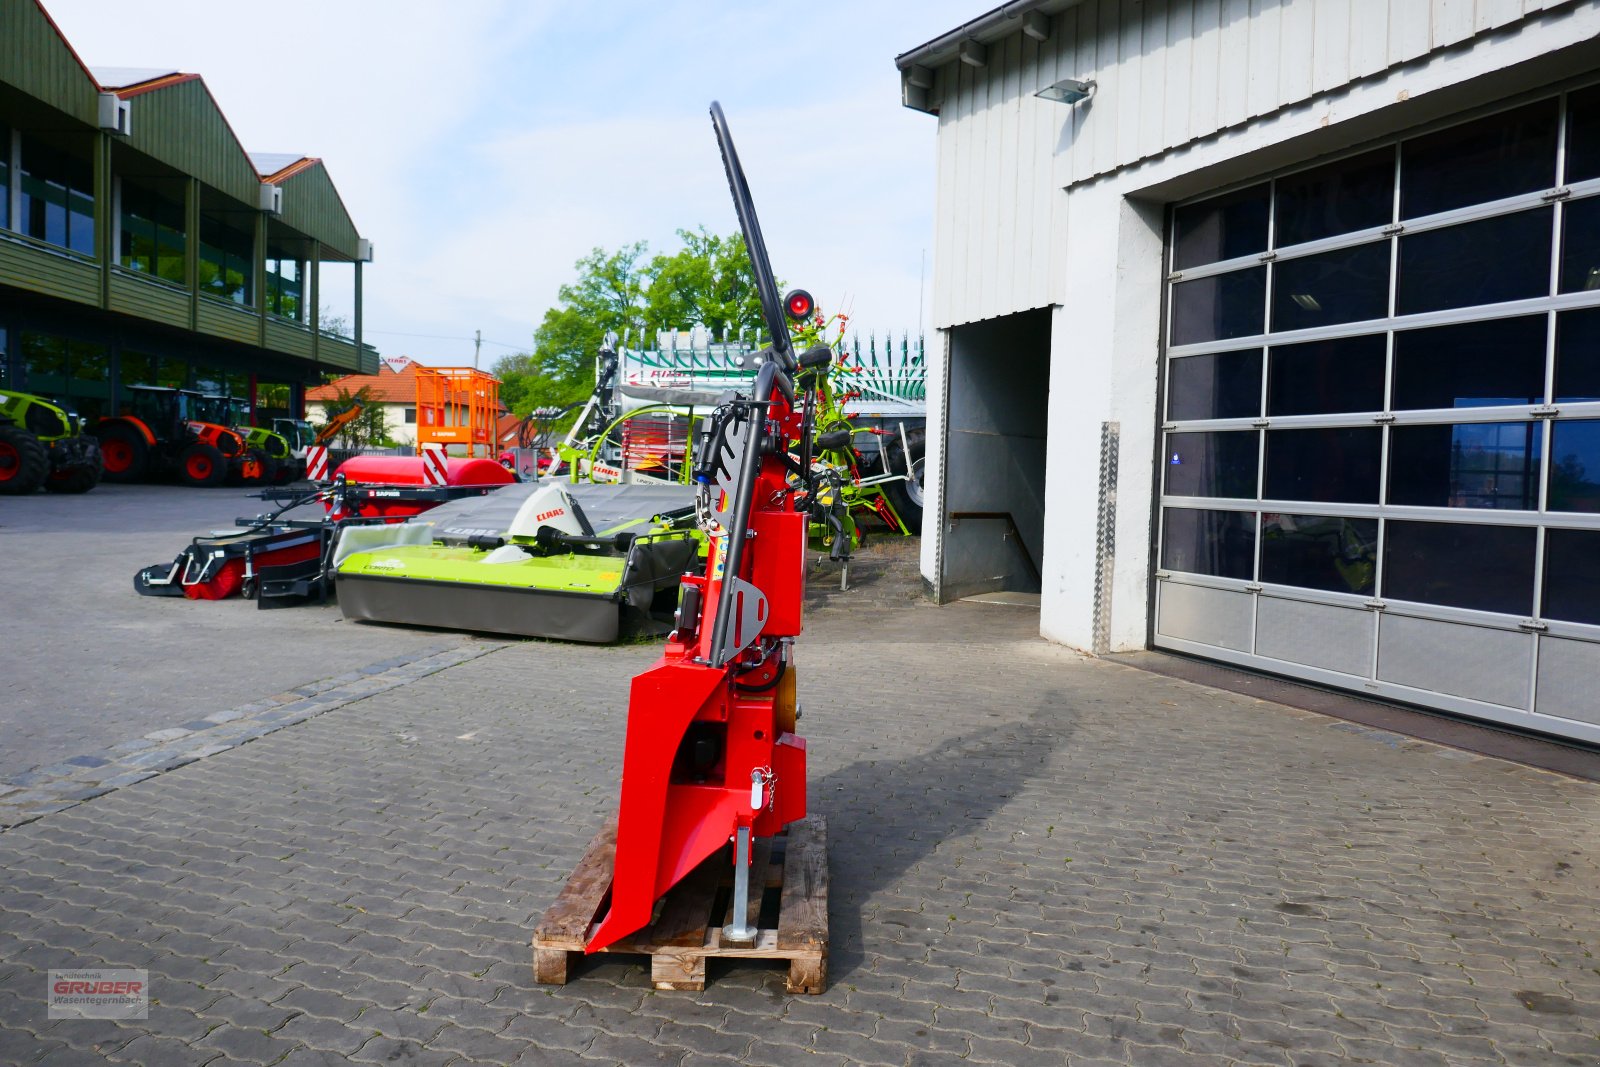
(505, 428)
(387, 386)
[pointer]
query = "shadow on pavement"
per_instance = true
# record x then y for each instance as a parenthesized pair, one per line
(885, 816)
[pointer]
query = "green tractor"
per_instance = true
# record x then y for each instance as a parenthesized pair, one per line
(44, 444)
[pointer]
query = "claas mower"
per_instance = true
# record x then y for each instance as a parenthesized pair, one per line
(711, 755)
(164, 431)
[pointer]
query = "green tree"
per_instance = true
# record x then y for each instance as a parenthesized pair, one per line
(524, 385)
(706, 283)
(607, 295)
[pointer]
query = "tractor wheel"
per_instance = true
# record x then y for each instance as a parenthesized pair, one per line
(24, 464)
(202, 465)
(75, 480)
(906, 496)
(289, 470)
(124, 453)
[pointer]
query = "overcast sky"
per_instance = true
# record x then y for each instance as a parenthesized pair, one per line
(484, 145)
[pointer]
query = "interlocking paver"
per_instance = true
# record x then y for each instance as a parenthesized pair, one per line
(1037, 858)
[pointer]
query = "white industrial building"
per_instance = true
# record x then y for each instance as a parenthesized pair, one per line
(1271, 333)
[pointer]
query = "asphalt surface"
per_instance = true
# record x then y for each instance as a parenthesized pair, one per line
(88, 662)
(1036, 858)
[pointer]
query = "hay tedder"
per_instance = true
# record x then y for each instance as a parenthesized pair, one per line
(711, 757)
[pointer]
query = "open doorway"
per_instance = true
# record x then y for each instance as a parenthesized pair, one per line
(992, 528)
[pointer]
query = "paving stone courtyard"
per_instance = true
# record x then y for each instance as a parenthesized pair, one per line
(1037, 858)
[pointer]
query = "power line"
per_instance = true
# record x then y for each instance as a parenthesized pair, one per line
(447, 337)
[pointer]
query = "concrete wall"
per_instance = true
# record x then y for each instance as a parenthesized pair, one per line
(1038, 206)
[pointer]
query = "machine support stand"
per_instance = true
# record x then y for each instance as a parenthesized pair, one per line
(739, 931)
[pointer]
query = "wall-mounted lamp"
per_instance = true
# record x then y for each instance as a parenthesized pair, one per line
(1067, 91)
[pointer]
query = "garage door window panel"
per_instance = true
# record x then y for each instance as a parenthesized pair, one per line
(1223, 227)
(1494, 157)
(1218, 543)
(1219, 463)
(1342, 197)
(1572, 576)
(1338, 465)
(1578, 356)
(1583, 135)
(1461, 565)
(1575, 465)
(1346, 285)
(1487, 261)
(1339, 555)
(1580, 246)
(1219, 385)
(1326, 377)
(1466, 465)
(1472, 364)
(1219, 307)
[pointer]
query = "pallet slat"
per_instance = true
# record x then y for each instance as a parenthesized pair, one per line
(688, 927)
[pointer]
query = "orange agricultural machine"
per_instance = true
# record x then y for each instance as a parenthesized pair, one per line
(457, 406)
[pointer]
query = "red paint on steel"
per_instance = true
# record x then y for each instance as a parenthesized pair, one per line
(678, 804)
(10, 461)
(229, 578)
(407, 470)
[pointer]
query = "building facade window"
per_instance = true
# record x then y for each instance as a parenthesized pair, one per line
(152, 236)
(285, 284)
(227, 259)
(143, 368)
(410, 415)
(5, 176)
(57, 202)
(74, 373)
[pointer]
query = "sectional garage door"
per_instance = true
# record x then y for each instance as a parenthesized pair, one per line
(1380, 462)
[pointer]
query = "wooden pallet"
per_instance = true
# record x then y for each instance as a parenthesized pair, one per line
(789, 889)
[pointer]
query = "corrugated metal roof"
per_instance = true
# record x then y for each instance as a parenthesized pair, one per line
(128, 77)
(269, 164)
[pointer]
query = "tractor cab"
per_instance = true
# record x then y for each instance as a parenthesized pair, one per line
(299, 433)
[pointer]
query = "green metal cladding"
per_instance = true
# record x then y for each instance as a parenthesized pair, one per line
(312, 206)
(35, 60)
(181, 126)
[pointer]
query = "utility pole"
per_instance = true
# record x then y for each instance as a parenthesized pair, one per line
(477, 346)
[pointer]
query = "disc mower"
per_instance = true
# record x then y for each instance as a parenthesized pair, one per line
(42, 443)
(164, 431)
(711, 755)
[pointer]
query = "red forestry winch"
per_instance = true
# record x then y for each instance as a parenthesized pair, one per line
(711, 754)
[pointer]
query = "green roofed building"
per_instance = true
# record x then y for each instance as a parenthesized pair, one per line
(140, 244)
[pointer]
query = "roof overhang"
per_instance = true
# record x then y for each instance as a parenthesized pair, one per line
(968, 43)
